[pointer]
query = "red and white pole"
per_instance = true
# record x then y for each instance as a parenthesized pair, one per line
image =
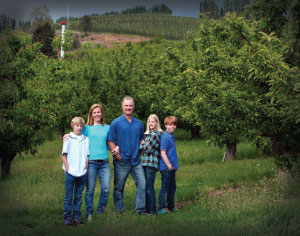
(63, 28)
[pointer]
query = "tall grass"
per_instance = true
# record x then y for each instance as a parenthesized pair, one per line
(247, 196)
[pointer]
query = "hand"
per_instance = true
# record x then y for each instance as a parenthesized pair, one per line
(170, 167)
(116, 150)
(66, 137)
(118, 156)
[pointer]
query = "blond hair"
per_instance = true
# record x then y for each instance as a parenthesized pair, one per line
(157, 121)
(90, 115)
(77, 120)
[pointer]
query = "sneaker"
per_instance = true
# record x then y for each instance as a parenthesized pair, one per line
(89, 218)
(77, 221)
(173, 209)
(67, 221)
(99, 211)
(164, 211)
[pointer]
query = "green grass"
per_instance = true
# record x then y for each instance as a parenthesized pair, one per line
(150, 25)
(247, 196)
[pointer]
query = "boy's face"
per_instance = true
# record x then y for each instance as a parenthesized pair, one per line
(170, 128)
(77, 128)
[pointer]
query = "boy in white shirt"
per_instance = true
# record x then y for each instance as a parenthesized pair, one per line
(75, 164)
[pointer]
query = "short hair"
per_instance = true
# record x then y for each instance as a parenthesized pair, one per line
(128, 98)
(170, 120)
(77, 120)
(90, 115)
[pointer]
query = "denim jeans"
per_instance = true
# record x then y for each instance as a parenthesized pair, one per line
(102, 170)
(150, 173)
(79, 184)
(121, 172)
(168, 189)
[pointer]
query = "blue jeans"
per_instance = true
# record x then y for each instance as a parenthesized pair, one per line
(150, 173)
(121, 172)
(102, 170)
(168, 189)
(79, 184)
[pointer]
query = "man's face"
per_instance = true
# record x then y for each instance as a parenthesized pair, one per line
(128, 107)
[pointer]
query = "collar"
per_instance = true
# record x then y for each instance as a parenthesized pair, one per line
(124, 118)
(170, 135)
(76, 136)
(154, 131)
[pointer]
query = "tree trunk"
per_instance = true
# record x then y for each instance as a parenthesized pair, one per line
(230, 151)
(61, 133)
(6, 161)
(284, 153)
(195, 132)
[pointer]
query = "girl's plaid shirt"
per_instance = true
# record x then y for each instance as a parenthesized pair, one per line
(150, 149)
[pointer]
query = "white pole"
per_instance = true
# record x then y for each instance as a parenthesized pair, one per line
(63, 28)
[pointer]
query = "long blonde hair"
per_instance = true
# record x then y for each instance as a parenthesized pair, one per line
(157, 121)
(90, 120)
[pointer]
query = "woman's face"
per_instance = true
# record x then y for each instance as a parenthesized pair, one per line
(152, 124)
(97, 115)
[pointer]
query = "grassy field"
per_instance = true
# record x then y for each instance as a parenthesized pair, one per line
(149, 25)
(248, 196)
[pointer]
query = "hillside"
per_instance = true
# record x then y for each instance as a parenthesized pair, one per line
(109, 40)
(148, 25)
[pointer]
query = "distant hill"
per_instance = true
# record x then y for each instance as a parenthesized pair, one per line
(148, 24)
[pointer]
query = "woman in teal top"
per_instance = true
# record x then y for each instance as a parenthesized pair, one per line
(97, 131)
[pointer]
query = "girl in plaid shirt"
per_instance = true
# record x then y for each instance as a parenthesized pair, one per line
(150, 153)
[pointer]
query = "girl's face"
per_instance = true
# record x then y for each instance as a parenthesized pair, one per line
(152, 124)
(97, 115)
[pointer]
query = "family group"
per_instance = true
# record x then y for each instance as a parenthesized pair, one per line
(142, 154)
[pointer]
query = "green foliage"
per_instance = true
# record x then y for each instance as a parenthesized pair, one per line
(59, 91)
(19, 126)
(292, 33)
(75, 43)
(44, 34)
(281, 17)
(64, 42)
(160, 9)
(271, 14)
(7, 22)
(86, 24)
(237, 84)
